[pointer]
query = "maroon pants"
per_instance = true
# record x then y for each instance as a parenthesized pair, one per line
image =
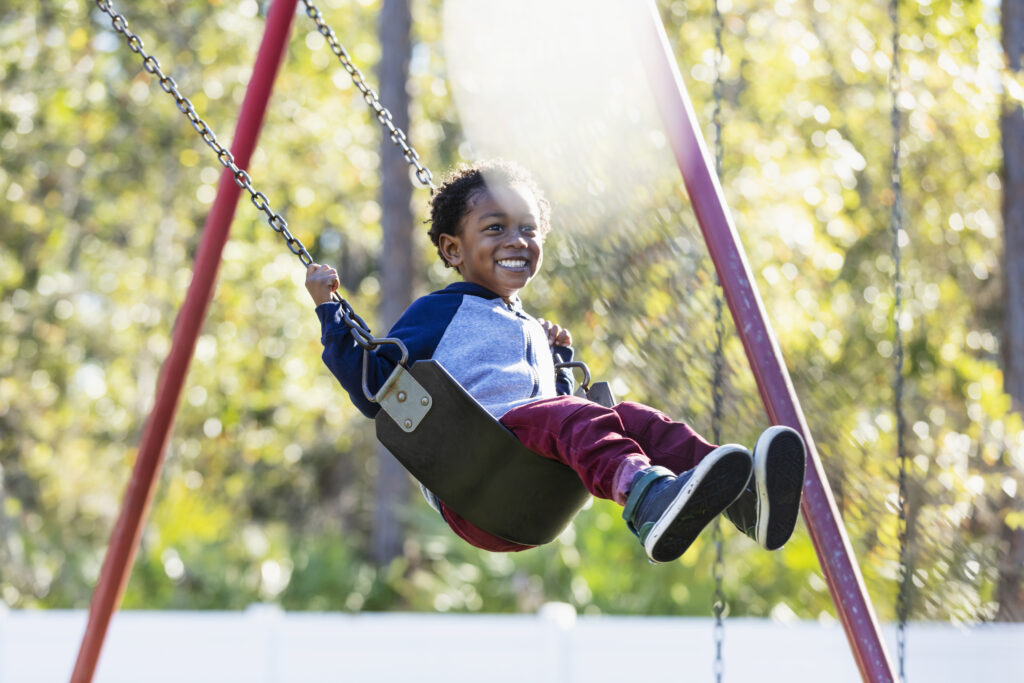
(595, 442)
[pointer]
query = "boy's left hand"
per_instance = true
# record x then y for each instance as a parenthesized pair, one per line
(557, 335)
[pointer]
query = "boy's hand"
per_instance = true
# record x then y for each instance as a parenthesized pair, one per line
(557, 335)
(321, 281)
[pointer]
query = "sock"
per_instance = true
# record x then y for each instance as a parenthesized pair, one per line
(624, 476)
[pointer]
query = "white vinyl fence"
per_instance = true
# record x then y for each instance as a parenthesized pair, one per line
(266, 645)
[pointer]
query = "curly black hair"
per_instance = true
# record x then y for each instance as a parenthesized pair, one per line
(451, 201)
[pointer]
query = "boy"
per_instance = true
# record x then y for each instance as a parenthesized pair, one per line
(489, 223)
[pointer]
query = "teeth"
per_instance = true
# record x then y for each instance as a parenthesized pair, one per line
(512, 263)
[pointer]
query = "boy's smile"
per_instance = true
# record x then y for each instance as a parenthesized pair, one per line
(499, 243)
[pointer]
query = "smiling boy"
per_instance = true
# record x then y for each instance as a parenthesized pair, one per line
(489, 222)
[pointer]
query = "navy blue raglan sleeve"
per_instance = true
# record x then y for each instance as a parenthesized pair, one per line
(420, 328)
(563, 377)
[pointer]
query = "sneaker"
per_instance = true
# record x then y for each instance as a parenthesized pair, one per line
(768, 508)
(667, 512)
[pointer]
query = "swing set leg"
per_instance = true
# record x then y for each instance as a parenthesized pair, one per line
(819, 508)
(124, 540)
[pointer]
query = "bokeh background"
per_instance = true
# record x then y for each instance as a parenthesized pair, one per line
(268, 490)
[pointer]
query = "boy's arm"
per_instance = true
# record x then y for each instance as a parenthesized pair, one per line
(420, 329)
(344, 358)
(564, 384)
(560, 341)
(341, 353)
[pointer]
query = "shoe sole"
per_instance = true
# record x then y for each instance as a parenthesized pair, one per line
(716, 482)
(779, 463)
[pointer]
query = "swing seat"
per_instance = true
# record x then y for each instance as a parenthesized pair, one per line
(478, 468)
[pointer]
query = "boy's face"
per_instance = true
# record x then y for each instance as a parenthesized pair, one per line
(499, 243)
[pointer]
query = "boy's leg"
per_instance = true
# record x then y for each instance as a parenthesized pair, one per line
(587, 437)
(585, 442)
(768, 509)
(670, 444)
(615, 443)
(666, 512)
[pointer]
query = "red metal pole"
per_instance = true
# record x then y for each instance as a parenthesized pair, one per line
(124, 540)
(780, 400)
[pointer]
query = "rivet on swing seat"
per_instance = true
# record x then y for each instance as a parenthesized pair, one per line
(393, 398)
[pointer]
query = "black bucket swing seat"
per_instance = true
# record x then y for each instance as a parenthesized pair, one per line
(457, 450)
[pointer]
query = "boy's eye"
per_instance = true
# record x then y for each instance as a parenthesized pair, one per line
(529, 228)
(495, 226)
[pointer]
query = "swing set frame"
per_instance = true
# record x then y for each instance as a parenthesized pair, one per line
(819, 509)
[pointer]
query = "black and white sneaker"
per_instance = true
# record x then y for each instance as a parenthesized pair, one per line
(667, 512)
(768, 508)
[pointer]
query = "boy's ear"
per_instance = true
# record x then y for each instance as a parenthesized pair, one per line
(450, 249)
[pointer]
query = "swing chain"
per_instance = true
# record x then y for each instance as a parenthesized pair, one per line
(152, 66)
(719, 355)
(718, 600)
(360, 331)
(412, 157)
(718, 603)
(718, 569)
(896, 226)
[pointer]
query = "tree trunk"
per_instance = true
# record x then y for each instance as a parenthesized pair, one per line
(1010, 585)
(1010, 588)
(397, 262)
(1013, 211)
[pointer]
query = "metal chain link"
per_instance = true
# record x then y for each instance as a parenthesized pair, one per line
(151, 65)
(896, 226)
(423, 175)
(719, 357)
(718, 600)
(360, 331)
(718, 379)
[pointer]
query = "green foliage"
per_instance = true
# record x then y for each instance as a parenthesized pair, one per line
(265, 493)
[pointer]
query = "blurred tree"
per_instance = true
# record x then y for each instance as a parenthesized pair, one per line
(1013, 207)
(1010, 588)
(268, 487)
(398, 264)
